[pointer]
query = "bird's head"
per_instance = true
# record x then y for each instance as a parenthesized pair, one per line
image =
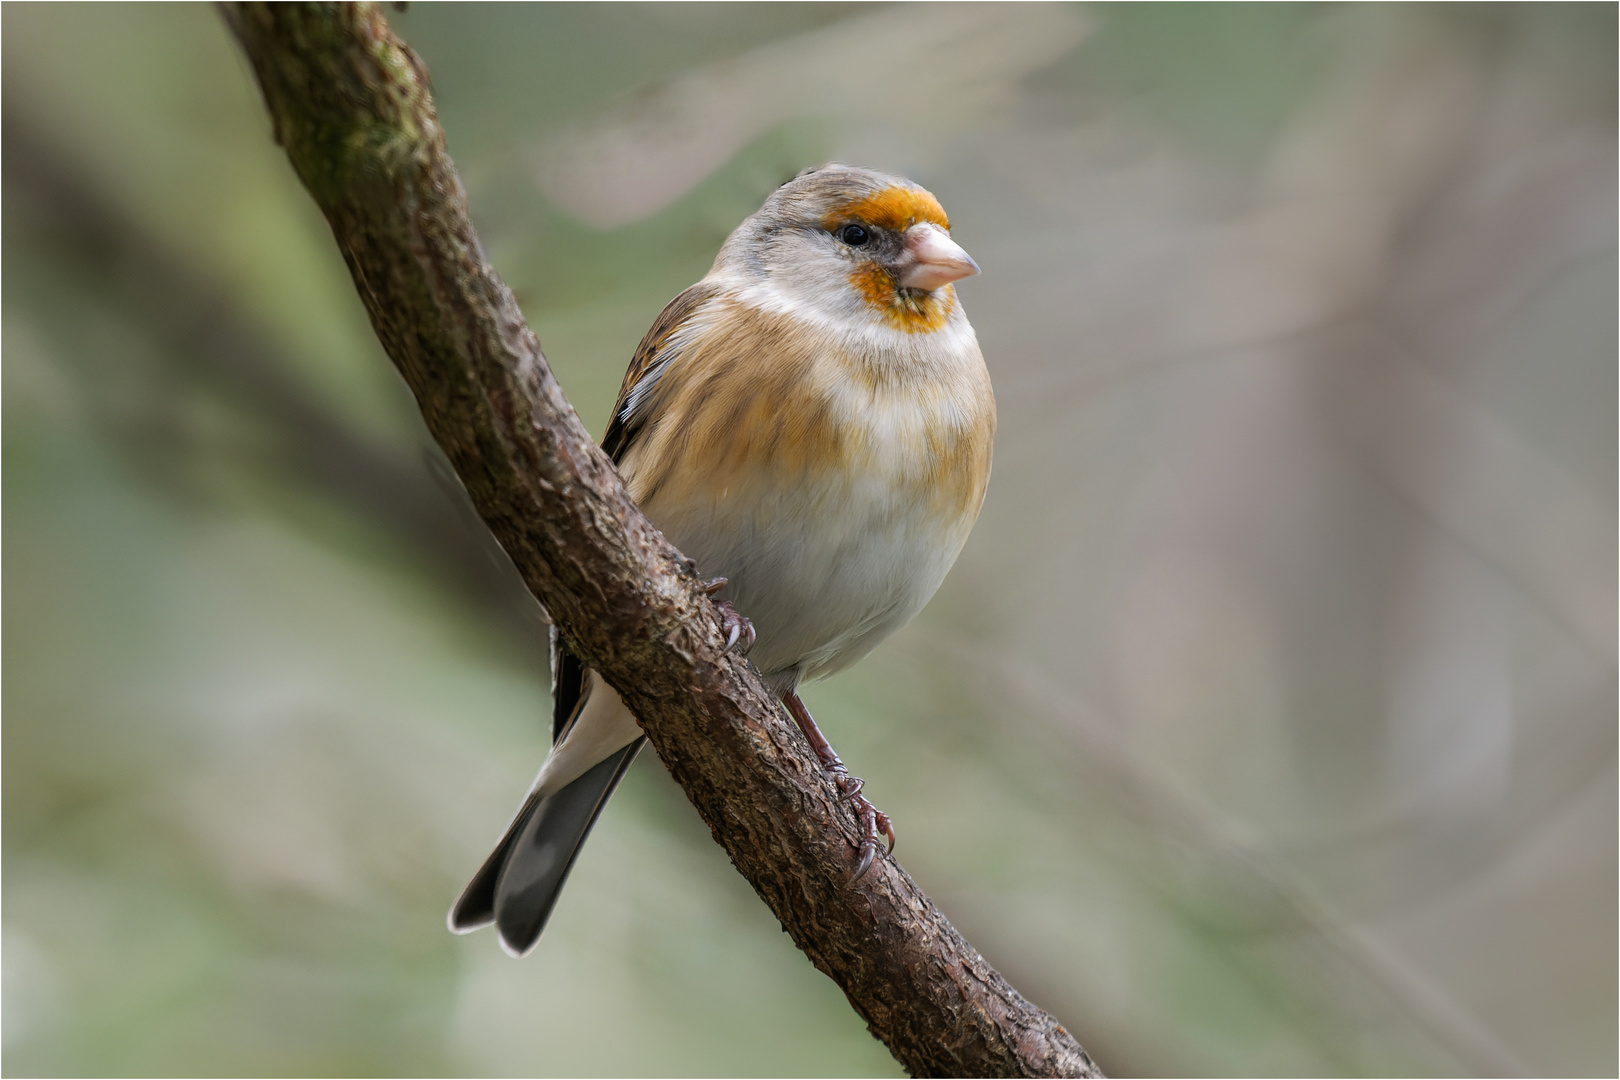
(856, 244)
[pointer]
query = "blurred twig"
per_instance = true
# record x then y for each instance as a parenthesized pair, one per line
(205, 336)
(1019, 688)
(351, 106)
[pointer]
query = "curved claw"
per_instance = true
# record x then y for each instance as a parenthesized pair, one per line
(873, 822)
(849, 787)
(736, 627)
(868, 854)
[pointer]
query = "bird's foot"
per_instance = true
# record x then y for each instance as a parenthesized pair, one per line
(735, 626)
(873, 821)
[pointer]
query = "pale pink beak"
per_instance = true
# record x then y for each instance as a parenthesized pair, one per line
(933, 259)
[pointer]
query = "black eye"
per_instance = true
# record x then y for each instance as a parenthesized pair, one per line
(854, 235)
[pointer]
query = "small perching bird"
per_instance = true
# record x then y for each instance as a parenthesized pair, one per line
(811, 424)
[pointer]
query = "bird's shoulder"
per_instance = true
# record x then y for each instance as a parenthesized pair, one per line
(653, 352)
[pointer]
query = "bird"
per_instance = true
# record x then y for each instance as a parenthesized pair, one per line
(811, 424)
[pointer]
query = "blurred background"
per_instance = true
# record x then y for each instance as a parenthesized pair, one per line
(1266, 725)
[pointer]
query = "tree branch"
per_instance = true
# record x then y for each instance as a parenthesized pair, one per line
(350, 105)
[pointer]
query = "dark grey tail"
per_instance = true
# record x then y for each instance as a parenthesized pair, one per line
(518, 884)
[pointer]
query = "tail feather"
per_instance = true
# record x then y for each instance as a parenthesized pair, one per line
(518, 884)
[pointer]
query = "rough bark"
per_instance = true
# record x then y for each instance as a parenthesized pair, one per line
(351, 106)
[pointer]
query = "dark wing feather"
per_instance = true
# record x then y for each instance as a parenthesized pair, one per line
(567, 687)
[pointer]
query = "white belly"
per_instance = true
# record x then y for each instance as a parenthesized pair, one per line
(829, 563)
(825, 571)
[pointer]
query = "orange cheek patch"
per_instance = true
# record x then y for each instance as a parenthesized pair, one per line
(896, 208)
(912, 312)
(875, 284)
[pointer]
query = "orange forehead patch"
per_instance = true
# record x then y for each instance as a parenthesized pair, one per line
(896, 208)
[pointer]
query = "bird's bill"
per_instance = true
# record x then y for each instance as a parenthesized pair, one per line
(933, 259)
